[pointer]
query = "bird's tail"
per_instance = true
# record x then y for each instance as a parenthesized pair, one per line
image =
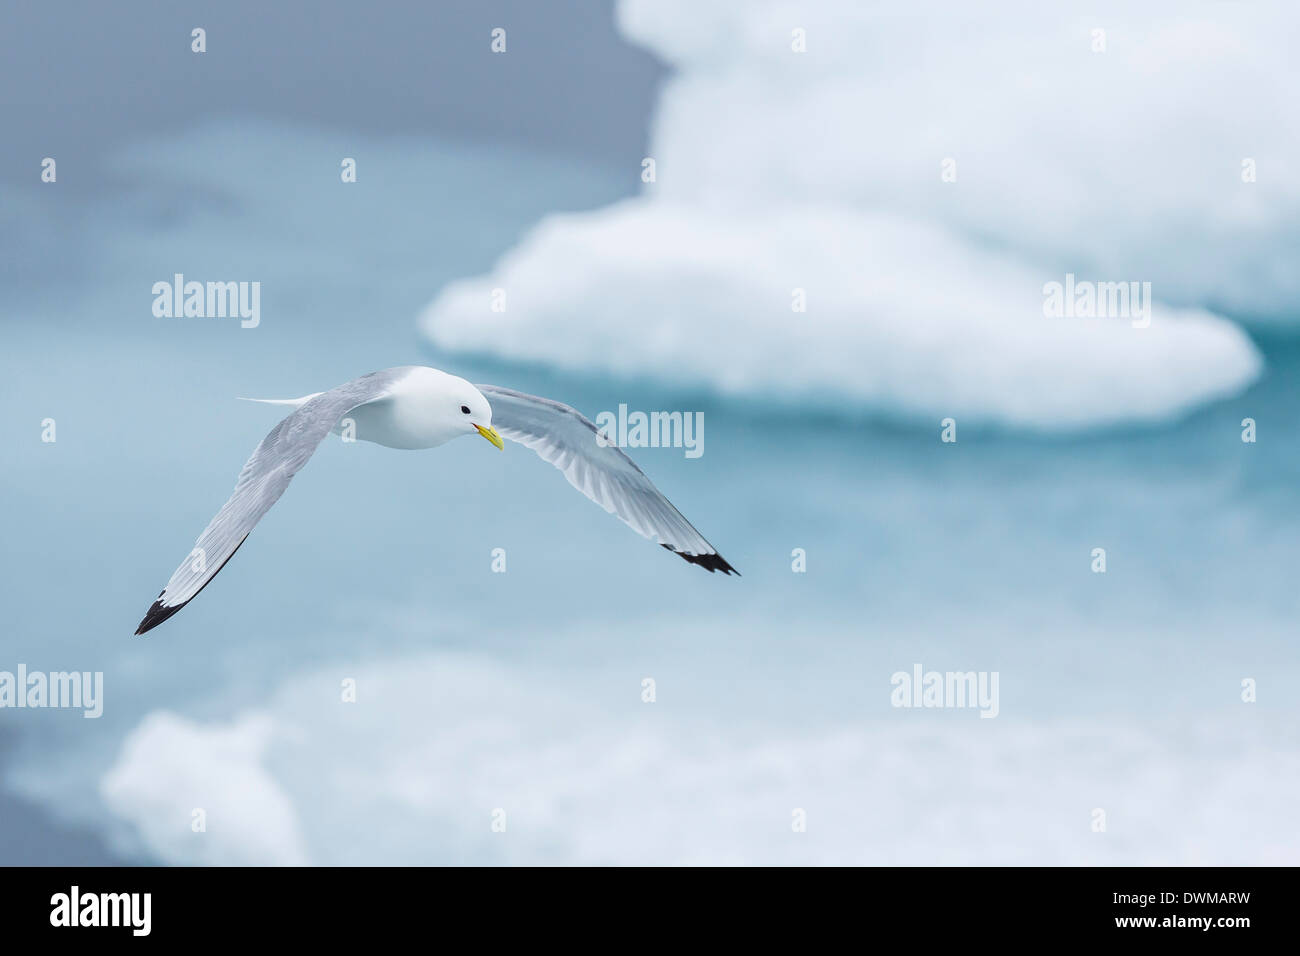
(295, 402)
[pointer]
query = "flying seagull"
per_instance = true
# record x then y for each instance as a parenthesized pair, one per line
(411, 407)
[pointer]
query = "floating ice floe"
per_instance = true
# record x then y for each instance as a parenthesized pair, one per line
(875, 222)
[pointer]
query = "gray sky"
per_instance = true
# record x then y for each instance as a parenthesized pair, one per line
(78, 77)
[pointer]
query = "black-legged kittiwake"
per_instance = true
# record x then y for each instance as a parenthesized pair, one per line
(417, 407)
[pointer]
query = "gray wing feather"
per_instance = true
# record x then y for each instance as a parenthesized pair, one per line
(262, 481)
(564, 437)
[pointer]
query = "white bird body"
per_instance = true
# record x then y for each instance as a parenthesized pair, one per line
(412, 416)
(414, 407)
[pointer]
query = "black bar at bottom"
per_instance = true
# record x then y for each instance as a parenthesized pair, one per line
(926, 906)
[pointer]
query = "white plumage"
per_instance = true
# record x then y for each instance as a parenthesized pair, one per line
(413, 407)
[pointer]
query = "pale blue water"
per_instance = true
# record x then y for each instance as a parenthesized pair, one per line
(973, 556)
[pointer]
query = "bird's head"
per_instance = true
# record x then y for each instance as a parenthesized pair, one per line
(468, 407)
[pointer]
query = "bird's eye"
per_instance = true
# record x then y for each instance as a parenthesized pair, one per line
(465, 409)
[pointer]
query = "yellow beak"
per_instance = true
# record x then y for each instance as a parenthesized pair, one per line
(491, 435)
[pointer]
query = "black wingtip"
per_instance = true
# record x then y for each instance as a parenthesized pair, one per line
(157, 614)
(710, 562)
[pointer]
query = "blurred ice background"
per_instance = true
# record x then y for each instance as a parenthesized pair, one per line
(775, 170)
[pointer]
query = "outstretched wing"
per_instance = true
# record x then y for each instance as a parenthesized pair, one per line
(566, 439)
(261, 483)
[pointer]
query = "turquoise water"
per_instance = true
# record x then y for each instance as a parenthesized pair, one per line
(523, 690)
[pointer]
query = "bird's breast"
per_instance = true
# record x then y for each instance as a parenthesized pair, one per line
(397, 422)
